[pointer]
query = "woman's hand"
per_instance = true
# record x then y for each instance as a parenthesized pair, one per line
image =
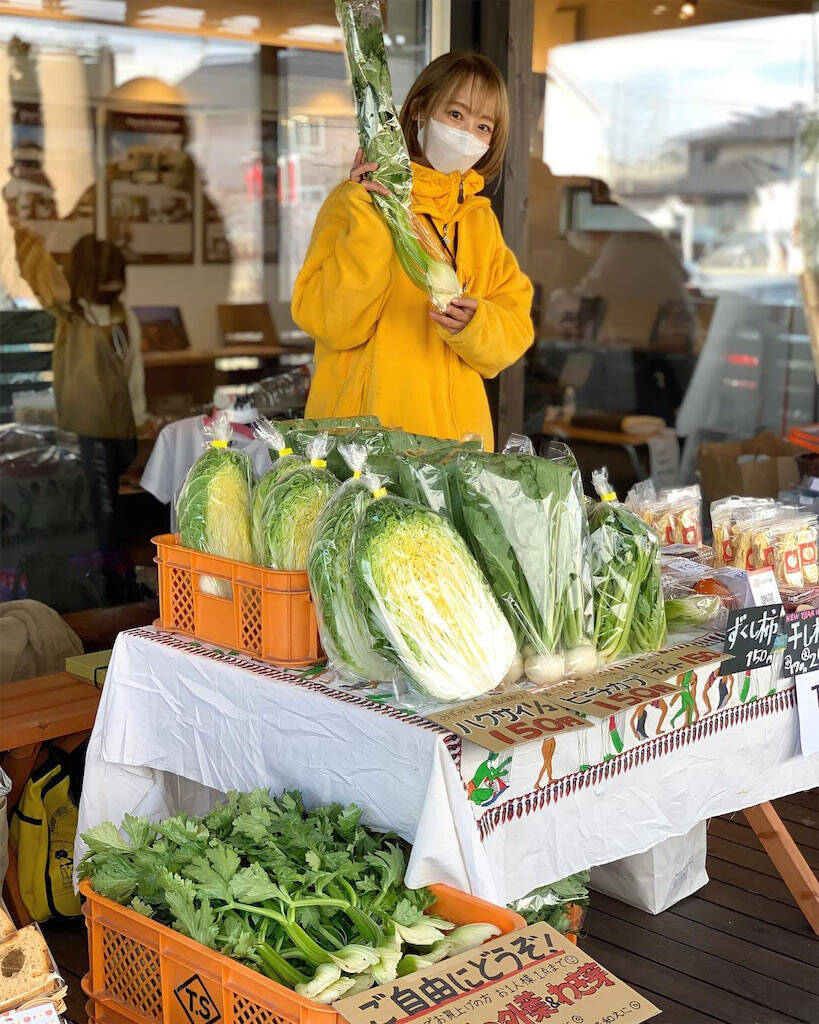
(457, 314)
(359, 169)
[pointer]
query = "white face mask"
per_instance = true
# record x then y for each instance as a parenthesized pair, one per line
(449, 149)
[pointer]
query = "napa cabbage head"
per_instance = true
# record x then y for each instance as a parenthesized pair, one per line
(213, 507)
(345, 636)
(281, 468)
(289, 514)
(428, 605)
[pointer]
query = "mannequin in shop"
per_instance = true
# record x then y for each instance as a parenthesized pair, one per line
(380, 347)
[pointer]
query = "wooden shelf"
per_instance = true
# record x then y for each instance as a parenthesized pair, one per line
(200, 356)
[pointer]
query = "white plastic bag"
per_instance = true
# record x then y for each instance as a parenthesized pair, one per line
(662, 876)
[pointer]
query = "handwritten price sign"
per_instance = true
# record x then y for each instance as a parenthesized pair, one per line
(802, 643)
(749, 638)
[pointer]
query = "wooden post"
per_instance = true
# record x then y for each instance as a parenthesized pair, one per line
(503, 32)
(787, 858)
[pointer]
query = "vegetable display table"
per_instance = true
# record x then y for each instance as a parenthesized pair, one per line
(180, 722)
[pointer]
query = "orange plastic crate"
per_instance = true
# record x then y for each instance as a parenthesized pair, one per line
(268, 615)
(142, 972)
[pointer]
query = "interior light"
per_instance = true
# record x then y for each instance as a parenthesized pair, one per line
(172, 17)
(688, 10)
(660, 9)
(315, 34)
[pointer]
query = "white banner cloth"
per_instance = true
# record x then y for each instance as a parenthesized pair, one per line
(180, 723)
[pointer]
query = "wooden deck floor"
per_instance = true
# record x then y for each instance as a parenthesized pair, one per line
(738, 951)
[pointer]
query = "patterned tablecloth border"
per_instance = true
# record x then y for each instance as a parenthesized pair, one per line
(537, 800)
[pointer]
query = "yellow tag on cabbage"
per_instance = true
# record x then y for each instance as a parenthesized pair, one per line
(380, 492)
(610, 496)
(356, 474)
(318, 462)
(284, 451)
(218, 444)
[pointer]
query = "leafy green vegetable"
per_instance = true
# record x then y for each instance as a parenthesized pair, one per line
(342, 622)
(629, 614)
(428, 607)
(523, 519)
(383, 143)
(213, 506)
(561, 904)
(309, 899)
(694, 610)
(285, 519)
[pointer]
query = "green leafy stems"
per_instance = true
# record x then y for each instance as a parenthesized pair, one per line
(313, 900)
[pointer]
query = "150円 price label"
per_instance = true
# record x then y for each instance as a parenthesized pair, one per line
(749, 638)
(531, 976)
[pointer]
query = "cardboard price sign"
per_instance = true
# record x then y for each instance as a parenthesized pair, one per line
(632, 683)
(749, 638)
(801, 643)
(531, 976)
(502, 720)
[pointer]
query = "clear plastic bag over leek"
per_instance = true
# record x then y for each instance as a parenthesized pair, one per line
(382, 140)
(524, 523)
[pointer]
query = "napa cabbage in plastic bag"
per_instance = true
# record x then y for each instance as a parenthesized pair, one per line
(213, 504)
(428, 606)
(286, 516)
(342, 622)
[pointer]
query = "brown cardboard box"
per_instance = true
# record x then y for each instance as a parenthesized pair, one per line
(774, 469)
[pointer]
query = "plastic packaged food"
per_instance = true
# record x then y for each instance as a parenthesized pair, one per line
(213, 504)
(427, 603)
(345, 636)
(725, 516)
(675, 514)
(629, 613)
(285, 516)
(523, 517)
(420, 253)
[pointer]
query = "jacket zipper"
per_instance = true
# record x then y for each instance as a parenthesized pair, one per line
(461, 191)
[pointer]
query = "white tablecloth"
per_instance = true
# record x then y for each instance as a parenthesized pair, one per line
(180, 723)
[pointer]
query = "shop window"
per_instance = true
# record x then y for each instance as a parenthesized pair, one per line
(677, 162)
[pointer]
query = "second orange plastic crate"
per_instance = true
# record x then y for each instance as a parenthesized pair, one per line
(265, 613)
(142, 972)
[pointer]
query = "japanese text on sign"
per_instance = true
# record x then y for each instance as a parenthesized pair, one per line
(801, 643)
(502, 720)
(750, 636)
(527, 977)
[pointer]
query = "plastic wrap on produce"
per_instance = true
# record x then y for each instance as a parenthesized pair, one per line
(427, 603)
(524, 521)
(629, 613)
(561, 904)
(345, 636)
(284, 462)
(419, 252)
(213, 505)
(288, 507)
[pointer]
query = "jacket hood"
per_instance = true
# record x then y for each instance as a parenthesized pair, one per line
(438, 194)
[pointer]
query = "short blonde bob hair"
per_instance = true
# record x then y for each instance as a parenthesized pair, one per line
(439, 81)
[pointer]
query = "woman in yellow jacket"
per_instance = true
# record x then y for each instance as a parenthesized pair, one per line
(380, 347)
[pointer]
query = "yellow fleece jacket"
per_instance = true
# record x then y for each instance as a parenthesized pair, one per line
(377, 350)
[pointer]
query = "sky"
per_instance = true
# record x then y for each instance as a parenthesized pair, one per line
(653, 87)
